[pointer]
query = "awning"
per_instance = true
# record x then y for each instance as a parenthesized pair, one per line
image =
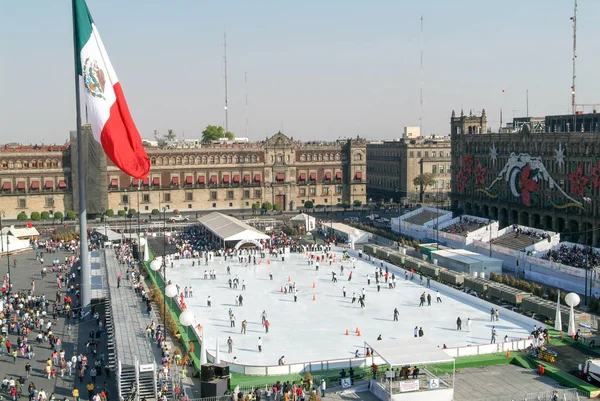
(302, 177)
(236, 178)
(201, 179)
(114, 183)
(338, 175)
(359, 175)
(313, 176)
(21, 185)
(156, 181)
(62, 184)
(6, 186)
(135, 182)
(246, 177)
(189, 180)
(35, 185)
(213, 179)
(328, 176)
(175, 180)
(146, 181)
(226, 179)
(48, 184)
(280, 177)
(257, 177)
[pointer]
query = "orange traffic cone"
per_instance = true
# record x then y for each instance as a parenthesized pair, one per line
(268, 261)
(289, 279)
(346, 331)
(358, 334)
(560, 336)
(357, 331)
(281, 290)
(314, 285)
(260, 261)
(314, 297)
(508, 354)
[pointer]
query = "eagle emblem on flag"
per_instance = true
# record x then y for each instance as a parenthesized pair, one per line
(93, 78)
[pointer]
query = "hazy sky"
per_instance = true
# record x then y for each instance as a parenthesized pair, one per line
(321, 69)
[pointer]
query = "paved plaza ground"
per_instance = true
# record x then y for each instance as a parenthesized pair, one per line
(312, 330)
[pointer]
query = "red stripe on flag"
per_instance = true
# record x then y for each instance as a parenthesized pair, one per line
(121, 140)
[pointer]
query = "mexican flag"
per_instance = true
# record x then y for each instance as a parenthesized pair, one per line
(107, 109)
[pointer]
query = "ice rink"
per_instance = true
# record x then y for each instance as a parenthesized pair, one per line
(311, 330)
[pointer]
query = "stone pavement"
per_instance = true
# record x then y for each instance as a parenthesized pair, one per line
(29, 269)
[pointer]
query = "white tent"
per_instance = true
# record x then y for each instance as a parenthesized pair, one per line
(228, 228)
(14, 243)
(110, 234)
(309, 221)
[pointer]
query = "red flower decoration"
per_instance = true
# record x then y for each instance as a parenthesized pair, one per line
(527, 185)
(596, 174)
(578, 181)
(461, 180)
(468, 164)
(480, 174)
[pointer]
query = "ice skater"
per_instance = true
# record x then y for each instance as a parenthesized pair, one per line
(458, 324)
(428, 299)
(437, 294)
(208, 302)
(259, 344)
(368, 280)
(494, 333)
(229, 345)
(469, 324)
(333, 278)
(361, 301)
(263, 317)
(396, 313)
(244, 326)
(344, 291)
(353, 297)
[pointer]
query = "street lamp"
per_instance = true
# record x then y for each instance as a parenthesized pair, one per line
(186, 318)
(3, 214)
(169, 290)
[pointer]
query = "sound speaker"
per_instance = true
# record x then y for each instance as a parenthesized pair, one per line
(207, 372)
(221, 370)
(214, 388)
(136, 251)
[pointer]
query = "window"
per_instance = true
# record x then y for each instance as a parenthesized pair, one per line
(22, 203)
(302, 191)
(433, 154)
(418, 153)
(214, 205)
(146, 208)
(426, 153)
(246, 194)
(213, 195)
(434, 169)
(257, 193)
(229, 194)
(166, 197)
(189, 196)
(441, 169)
(49, 201)
(313, 191)
(411, 154)
(145, 198)
(230, 204)
(124, 199)
(247, 203)
(189, 205)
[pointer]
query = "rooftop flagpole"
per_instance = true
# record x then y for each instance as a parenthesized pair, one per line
(85, 285)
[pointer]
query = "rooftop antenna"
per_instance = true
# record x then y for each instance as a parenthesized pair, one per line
(421, 82)
(527, 101)
(225, 68)
(574, 19)
(246, 108)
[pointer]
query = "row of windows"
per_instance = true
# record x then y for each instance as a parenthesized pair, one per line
(48, 202)
(319, 157)
(22, 164)
(427, 153)
(394, 184)
(199, 160)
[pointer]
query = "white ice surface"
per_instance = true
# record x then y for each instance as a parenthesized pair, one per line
(310, 330)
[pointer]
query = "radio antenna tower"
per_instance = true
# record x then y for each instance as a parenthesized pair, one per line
(246, 108)
(225, 68)
(574, 19)
(421, 83)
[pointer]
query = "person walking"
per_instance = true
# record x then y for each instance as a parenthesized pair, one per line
(259, 344)
(244, 325)
(497, 314)
(492, 314)
(229, 345)
(267, 324)
(469, 324)
(439, 299)
(344, 291)
(493, 341)
(428, 299)
(232, 320)
(416, 331)
(458, 324)
(396, 313)
(323, 387)
(421, 333)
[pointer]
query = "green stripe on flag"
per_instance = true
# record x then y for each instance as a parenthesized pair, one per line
(83, 27)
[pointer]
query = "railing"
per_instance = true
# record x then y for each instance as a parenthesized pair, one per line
(219, 398)
(563, 395)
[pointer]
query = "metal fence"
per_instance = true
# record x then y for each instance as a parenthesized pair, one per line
(563, 395)
(219, 398)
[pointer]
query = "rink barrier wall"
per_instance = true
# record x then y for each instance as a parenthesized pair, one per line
(502, 347)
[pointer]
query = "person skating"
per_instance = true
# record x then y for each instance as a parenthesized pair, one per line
(229, 345)
(232, 320)
(267, 324)
(208, 302)
(364, 293)
(396, 313)
(361, 301)
(244, 325)
(469, 323)
(344, 291)
(241, 300)
(378, 287)
(458, 324)
(368, 280)
(421, 332)
(259, 344)
(437, 294)
(379, 338)
(333, 279)
(494, 333)
(353, 297)
(422, 299)
(296, 295)
(416, 331)
(428, 299)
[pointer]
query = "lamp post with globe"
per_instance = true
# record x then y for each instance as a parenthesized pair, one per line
(186, 318)
(169, 289)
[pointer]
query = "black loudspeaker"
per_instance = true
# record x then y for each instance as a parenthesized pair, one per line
(136, 251)
(221, 370)
(207, 372)
(214, 388)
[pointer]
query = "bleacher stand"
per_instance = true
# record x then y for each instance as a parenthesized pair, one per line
(520, 238)
(573, 256)
(422, 218)
(464, 226)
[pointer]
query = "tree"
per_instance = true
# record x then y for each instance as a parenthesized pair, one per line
(176, 212)
(71, 215)
(214, 133)
(45, 215)
(170, 135)
(155, 212)
(109, 213)
(35, 216)
(267, 206)
(423, 181)
(22, 216)
(277, 207)
(309, 204)
(255, 207)
(121, 213)
(357, 203)
(131, 212)
(59, 216)
(346, 204)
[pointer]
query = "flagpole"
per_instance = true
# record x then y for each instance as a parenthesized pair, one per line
(85, 285)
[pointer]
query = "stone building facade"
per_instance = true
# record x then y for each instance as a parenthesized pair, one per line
(393, 165)
(539, 175)
(227, 176)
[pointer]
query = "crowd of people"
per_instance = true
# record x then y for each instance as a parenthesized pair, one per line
(464, 226)
(583, 258)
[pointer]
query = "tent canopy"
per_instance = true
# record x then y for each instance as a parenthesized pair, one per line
(229, 228)
(110, 234)
(402, 352)
(23, 232)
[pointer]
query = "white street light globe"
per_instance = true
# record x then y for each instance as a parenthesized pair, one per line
(572, 299)
(170, 291)
(155, 265)
(186, 318)
(142, 241)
